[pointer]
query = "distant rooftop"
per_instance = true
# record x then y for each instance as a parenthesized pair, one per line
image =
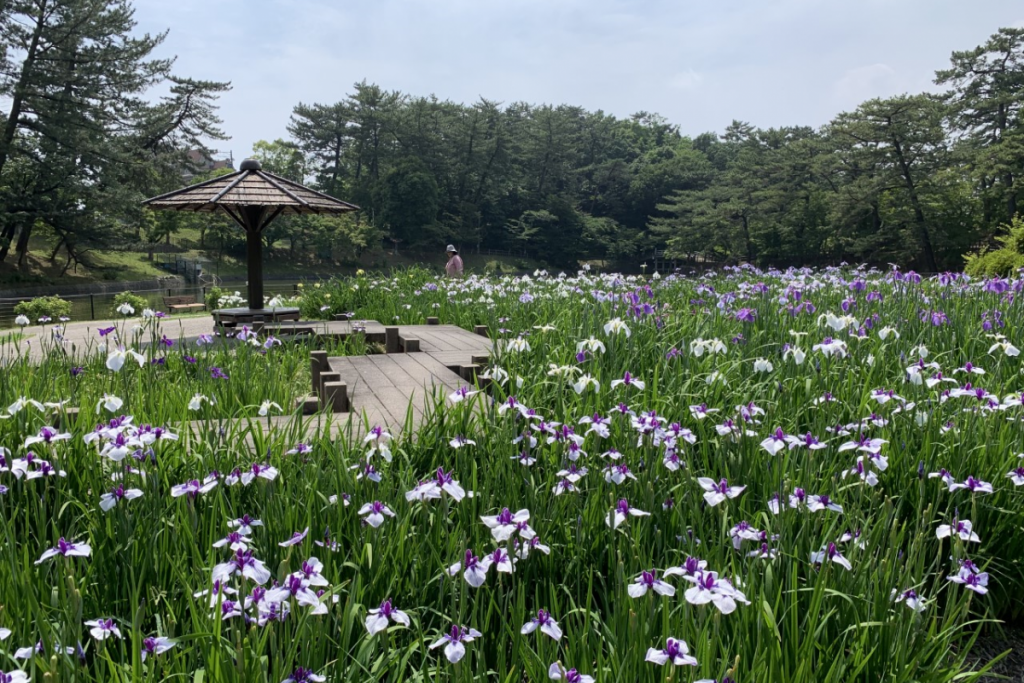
(203, 162)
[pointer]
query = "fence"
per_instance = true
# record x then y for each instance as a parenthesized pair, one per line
(101, 306)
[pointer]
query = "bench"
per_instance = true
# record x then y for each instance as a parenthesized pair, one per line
(183, 303)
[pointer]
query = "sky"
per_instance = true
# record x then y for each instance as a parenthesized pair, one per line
(700, 64)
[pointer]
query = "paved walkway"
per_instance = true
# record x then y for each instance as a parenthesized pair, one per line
(80, 339)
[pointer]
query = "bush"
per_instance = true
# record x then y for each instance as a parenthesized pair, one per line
(213, 296)
(137, 302)
(999, 263)
(1003, 261)
(52, 307)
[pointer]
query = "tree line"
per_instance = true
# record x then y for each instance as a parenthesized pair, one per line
(915, 179)
(918, 180)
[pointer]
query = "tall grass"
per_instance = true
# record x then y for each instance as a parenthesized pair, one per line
(804, 621)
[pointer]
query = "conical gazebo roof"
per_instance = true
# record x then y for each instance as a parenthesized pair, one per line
(253, 198)
(250, 186)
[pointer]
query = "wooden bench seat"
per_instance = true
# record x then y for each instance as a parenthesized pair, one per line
(183, 303)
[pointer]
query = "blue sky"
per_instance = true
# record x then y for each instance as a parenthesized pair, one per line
(699, 64)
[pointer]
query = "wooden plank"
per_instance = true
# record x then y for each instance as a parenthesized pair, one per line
(401, 374)
(377, 383)
(441, 373)
(431, 341)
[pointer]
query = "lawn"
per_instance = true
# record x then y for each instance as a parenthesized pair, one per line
(801, 476)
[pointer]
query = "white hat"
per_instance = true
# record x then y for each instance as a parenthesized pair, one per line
(451, 248)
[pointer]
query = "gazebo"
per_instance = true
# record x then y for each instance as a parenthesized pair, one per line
(253, 198)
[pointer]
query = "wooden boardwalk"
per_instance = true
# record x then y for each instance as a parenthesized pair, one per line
(385, 387)
(394, 390)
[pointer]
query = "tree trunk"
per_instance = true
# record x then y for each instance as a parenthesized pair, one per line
(915, 201)
(18, 97)
(7, 238)
(22, 248)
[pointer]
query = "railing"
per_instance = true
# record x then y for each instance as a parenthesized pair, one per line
(101, 306)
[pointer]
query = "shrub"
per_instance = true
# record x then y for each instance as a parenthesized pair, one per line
(1002, 261)
(213, 296)
(50, 306)
(137, 302)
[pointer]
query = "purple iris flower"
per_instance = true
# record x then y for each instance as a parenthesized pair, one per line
(65, 549)
(301, 675)
(295, 539)
(454, 649)
(378, 619)
(155, 646)
(675, 652)
(648, 581)
(545, 623)
(557, 672)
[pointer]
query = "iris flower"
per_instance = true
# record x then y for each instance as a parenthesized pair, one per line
(629, 381)
(506, 523)
(621, 511)
(675, 652)
(454, 649)
(963, 529)
(831, 554)
(373, 513)
(649, 581)
(242, 564)
(971, 580)
(109, 500)
(266, 406)
(973, 485)
(65, 549)
(615, 326)
(156, 646)
(557, 672)
(720, 592)
(117, 357)
(295, 539)
(910, 598)
(716, 493)
(545, 623)
(101, 629)
(301, 675)
(110, 402)
(432, 488)
(377, 619)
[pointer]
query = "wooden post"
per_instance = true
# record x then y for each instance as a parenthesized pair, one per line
(391, 343)
(336, 396)
(468, 372)
(410, 345)
(325, 379)
(433, 320)
(318, 364)
(254, 265)
(481, 330)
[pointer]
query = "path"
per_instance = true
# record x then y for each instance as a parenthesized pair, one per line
(422, 363)
(387, 386)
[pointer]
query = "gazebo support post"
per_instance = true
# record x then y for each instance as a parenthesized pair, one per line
(254, 263)
(253, 219)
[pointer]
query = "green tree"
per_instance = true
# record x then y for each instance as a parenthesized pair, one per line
(986, 107)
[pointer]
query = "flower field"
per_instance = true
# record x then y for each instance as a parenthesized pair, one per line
(744, 476)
